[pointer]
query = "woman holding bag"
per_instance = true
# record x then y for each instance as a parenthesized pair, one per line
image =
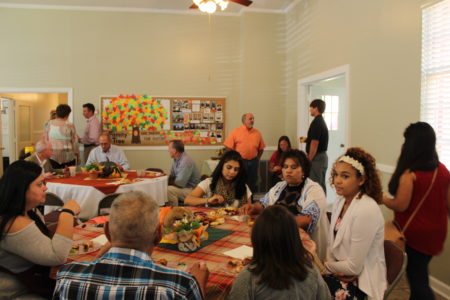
(420, 185)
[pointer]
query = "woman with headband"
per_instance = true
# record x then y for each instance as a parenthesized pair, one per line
(355, 264)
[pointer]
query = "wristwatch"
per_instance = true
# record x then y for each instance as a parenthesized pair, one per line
(66, 210)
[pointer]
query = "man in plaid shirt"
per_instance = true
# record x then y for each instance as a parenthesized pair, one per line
(126, 270)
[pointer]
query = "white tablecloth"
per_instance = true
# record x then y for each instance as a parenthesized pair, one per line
(208, 166)
(88, 197)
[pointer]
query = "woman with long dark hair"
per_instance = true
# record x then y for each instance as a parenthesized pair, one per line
(27, 249)
(226, 186)
(303, 197)
(284, 144)
(425, 235)
(281, 267)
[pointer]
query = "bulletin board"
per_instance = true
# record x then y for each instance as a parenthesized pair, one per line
(140, 120)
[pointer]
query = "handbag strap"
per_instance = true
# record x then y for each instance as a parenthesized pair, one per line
(421, 201)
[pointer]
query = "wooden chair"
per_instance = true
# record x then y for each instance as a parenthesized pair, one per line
(396, 260)
(104, 206)
(155, 170)
(53, 200)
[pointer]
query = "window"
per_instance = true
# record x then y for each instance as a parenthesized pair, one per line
(331, 113)
(435, 94)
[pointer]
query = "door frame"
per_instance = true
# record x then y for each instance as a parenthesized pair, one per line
(68, 91)
(302, 99)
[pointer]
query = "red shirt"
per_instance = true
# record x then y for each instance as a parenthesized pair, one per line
(427, 231)
(276, 161)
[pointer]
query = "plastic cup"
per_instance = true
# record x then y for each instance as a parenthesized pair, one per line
(140, 173)
(72, 170)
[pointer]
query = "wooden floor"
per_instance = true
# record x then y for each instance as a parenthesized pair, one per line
(401, 291)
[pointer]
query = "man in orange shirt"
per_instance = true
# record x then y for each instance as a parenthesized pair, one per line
(249, 143)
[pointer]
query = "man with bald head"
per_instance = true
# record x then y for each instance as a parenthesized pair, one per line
(108, 152)
(41, 156)
(249, 143)
(126, 270)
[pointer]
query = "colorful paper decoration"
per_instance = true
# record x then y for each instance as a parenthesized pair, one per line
(127, 112)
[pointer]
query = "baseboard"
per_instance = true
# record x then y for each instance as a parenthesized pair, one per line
(440, 287)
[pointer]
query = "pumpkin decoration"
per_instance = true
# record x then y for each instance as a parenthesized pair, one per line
(110, 169)
(181, 228)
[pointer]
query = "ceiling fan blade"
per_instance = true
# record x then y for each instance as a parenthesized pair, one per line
(193, 6)
(242, 2)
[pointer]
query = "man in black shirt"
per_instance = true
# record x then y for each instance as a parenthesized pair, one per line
(317, 143)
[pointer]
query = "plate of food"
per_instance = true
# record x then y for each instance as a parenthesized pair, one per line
(237, 265)
(84, 247)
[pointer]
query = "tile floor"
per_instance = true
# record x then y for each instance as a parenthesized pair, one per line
(401, 291)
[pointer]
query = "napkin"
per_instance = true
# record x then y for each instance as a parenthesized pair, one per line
(240, 252)
(101, 240)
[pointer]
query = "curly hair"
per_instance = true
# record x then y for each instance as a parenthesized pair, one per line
(372, 184)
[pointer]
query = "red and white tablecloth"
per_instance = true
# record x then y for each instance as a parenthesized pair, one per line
(88, 193)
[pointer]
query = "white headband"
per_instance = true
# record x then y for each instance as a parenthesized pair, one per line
(353, 162)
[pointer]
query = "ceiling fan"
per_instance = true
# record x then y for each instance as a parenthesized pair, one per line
(210, 6)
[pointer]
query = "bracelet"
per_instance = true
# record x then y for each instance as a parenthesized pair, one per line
(66, 210)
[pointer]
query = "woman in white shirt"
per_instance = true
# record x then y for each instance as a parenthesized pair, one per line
(355, 256)
(225, 187)
(303, 197)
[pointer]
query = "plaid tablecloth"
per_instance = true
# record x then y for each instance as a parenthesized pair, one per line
(221, 273)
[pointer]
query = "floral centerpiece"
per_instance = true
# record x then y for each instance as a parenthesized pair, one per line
(92, 169)
(105, 169)
(181, 228)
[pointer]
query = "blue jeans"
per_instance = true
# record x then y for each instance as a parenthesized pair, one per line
(252, 173)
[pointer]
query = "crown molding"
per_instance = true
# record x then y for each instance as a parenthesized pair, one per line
(140, 10)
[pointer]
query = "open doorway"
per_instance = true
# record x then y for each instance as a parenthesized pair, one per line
(23, 115)
(332, 87)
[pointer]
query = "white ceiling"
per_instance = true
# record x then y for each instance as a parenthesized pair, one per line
(175, 6)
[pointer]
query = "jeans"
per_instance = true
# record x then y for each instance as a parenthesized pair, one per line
(319, 167)
(252, 173)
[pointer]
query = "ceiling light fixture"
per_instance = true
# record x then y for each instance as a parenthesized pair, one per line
(210, 6)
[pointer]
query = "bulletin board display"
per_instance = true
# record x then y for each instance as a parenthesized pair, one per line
(134, 120)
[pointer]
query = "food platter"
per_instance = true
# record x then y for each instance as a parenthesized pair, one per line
(83, 247)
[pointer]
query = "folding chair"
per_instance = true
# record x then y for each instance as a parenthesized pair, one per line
(53, 200)
(104, 206)
(396, 260)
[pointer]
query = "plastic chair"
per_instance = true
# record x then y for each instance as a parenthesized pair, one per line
(104, 206)
(396, 260)
(53, 200)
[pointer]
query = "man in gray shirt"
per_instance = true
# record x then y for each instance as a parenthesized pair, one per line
(184, 175)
